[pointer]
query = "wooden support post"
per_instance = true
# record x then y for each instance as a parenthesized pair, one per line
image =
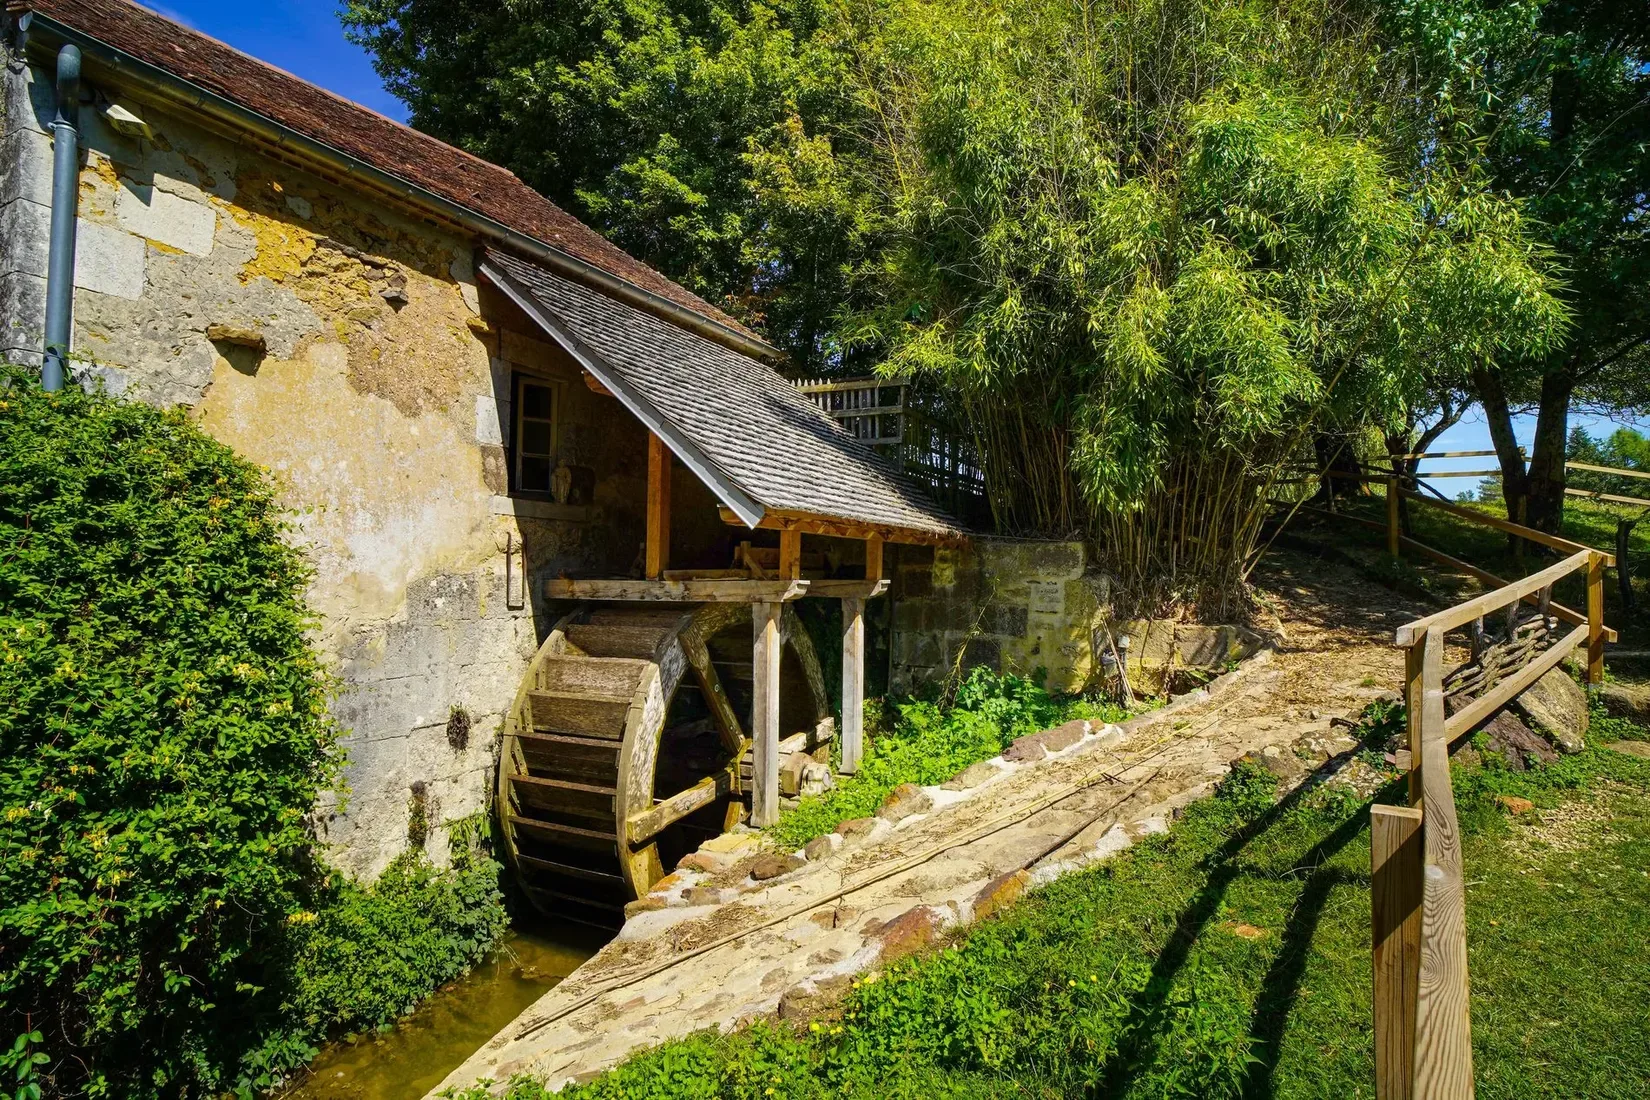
(1392, 501)
(873, 558)
(658, 507)
(1395, 890)
(1414, 706)
(1443, 1013)
(853, 683)
(790, 554)
(765, 713)
(1595, 618)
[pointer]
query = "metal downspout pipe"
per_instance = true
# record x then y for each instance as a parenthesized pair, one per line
(65, 210)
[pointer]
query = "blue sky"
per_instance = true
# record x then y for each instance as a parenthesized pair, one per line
(303, 37)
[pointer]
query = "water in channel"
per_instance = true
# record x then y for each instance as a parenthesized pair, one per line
(406, 1062)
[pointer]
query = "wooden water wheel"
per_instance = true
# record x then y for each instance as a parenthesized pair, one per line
(626, 747)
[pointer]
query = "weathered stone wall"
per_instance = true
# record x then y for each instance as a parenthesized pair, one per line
(348, 350)
(1013, 604)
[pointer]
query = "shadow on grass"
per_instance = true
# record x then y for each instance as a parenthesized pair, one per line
(1270, 1016)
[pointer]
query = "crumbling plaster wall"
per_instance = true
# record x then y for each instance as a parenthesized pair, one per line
(346, 349)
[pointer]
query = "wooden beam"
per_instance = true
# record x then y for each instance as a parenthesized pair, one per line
(1443, 1017)
(1484, 519)
(1558, 610)
(846, 590)
(730, 591)
(765, 644)
(716, 697)
(1607, 470)
(1395, 893)
(658, 506)
(641, 827)
(1482, 605)
(1595, 620)
(873, 558)
(594, 385)
(790, 555)
(853, 683)
(1608, 498)
(775, 520)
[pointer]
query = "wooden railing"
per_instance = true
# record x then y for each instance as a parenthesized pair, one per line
(1423, 1034)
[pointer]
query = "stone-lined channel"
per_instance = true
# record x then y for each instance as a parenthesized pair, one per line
(413, 1057)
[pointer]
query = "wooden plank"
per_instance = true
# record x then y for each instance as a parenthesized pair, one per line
(1451, 454)
(765, 647)
(608, 640)
(642, 827)
(587, 759)
(658, 506)
(1413, 709)
(1595, 620)
(1610, 498)
(578, 712)
(1560, 611)
(873, 558)
(790, 555)
(809, 524)
(1395, 864)
(663, 591)
(1482, 605)
(848, 590)
(1443, 1023)
(1483, 519)
(853, 683)
(1607, 470)
(593, 384)
(562, 796)
(706, 574)
(1487, 704)
(557, 833)
(550, 867)
(597, 675)
(716, 697)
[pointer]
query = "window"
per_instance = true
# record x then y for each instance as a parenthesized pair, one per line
(535, 434)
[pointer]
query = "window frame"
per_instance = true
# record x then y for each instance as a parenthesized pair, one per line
(519, 380)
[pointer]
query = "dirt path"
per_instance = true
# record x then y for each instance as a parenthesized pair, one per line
(714, 947)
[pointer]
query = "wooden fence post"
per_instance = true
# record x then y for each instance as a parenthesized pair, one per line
(1392, 515)
(765, 713)
(853, 684)
(1595, 619)
(1395, 889)
(1443, 1019)
(1414, 708)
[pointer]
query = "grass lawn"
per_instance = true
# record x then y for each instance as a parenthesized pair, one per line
(1230, 957)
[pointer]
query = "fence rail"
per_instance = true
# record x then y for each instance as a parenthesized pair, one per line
(1423, 1026)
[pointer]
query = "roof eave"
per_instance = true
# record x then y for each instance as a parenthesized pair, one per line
(50, 33)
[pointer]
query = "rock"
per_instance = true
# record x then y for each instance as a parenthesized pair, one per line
(701, 861)
(702, 895)
(821, 846)
(1515, 742)
(1640, 749)
(1629, 701)
(773, 866)
(1282, 763)
(1556, 706)
(649, 904)
(903, 801)
(734, 844)
(972, 776)
(237, 335)
(1026, 750)
(814, 997)
(1000, 893)
(790, 772)
(856, 826)
(1513, 804)
(816, 779)
(909, 933)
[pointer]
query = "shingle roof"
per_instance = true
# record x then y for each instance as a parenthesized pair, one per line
(365, 135)
(757, 431)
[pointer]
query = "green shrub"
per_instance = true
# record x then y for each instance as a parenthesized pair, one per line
(929, 744)
(165, 927)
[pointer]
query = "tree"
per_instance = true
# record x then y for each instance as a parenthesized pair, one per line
(691, 132)
(1550, 102)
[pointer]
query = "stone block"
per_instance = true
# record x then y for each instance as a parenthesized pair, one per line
(1198, 646)
(1026, 750)
(972, 776)
(821, 847)
(489, 424)
(910, 932)
(913, 584)
(650, 904)
(109, 261)
(856, 826)
(166, 218)
(1556, 706)
(982, 651)
(773, 866)
(1046, 559)
(1000, 893)
(22, 315)
(443, 596)
(1065, 736)
(25, 230)
(904, 801)
(1005, 620)
(28, 167)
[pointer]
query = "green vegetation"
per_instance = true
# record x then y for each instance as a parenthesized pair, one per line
(928, 743)
(1230, 958)
(166, 927)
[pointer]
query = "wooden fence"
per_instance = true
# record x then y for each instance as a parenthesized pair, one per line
(1423, 1035)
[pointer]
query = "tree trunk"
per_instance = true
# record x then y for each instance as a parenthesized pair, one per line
(1545, 484)
(1492, 396)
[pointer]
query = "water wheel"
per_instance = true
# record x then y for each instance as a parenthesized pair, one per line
(627, 747)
